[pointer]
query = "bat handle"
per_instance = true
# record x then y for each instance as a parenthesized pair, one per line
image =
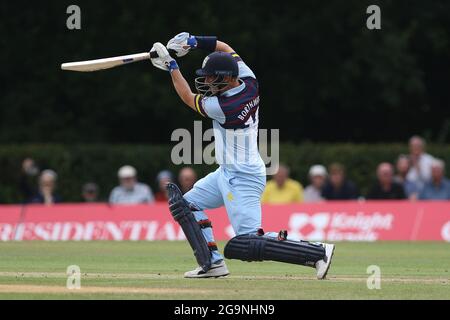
(154, 54)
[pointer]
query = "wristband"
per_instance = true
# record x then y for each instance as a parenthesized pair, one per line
(207, 43)
(172, 65)
(192, 42)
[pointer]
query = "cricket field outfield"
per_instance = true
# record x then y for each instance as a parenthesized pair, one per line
(154, 270)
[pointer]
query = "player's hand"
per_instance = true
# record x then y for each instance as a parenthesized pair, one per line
(164, 61)
(182, 43)
(157, 61)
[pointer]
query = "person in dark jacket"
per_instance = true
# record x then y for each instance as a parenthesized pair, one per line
(385, 187)
(338, 187)
(163, 178)
(47, 186)
(28, 179)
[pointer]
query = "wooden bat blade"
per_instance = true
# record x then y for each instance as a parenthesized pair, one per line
(106, 63)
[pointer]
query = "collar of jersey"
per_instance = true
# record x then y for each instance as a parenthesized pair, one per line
(235, 90)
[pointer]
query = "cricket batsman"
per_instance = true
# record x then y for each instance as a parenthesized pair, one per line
(228, 94)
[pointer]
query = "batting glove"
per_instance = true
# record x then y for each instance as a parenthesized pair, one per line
(164, 61)
(182, 43)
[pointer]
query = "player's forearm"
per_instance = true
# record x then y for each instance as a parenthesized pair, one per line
(182, 88)
(223, 47)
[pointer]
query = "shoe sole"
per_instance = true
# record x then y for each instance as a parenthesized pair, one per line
(205, 276)
(330, 258)
(210, 273)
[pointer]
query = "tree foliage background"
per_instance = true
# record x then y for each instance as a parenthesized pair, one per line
(324, 76)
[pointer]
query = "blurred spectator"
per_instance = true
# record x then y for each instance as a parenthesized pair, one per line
(420, 170)
(130, 191)
(281, 189)
(47, 186)
(28, 179)
(385, 187)
(163, 178)
(317, 176)
(402, 166)
(89, 192)
(186, 179)
(439, 186)
(337, 186)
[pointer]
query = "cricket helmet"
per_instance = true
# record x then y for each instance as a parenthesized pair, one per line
(220, 65)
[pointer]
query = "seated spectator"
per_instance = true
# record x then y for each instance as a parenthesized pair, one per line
(28, 179)
(317, 176)
(402, 166)
(130, 191)
(439, 186)
(281, 189)
(47, 186)
(338, 187)
(420, 171)
(89, 192)
(186, 179)
(163, 178)
(385, 187)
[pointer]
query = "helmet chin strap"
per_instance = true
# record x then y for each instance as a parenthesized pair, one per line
(216, 87)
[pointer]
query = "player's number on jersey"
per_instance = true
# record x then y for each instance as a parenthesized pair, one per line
(251, 120)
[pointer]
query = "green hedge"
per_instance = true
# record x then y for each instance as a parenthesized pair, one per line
(77, 164)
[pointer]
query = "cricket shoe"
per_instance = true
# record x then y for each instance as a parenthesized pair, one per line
(323, 265)
(218, 269)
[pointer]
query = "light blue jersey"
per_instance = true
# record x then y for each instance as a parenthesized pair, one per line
(235, 122)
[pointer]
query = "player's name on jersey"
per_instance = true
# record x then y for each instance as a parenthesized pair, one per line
(249, 106)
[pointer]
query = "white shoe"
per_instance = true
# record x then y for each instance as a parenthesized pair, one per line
(323, 265)
(218, 269)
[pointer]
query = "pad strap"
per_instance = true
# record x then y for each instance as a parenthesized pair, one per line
(251, 247)
(212, 246)
(204, 224)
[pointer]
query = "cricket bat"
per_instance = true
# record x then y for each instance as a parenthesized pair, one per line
(107, 63)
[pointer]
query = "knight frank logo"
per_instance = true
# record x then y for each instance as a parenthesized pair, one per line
(309, 227)
(335, 226)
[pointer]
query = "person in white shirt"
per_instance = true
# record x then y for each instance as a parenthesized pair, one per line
(420, 172)
(130, 191)
(317, 175)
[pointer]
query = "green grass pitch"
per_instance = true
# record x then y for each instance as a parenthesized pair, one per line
(154, 270)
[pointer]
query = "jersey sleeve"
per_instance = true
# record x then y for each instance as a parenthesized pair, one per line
(244, 70)
(209, 107)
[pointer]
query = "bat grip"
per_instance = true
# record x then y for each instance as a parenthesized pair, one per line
(154, 54)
